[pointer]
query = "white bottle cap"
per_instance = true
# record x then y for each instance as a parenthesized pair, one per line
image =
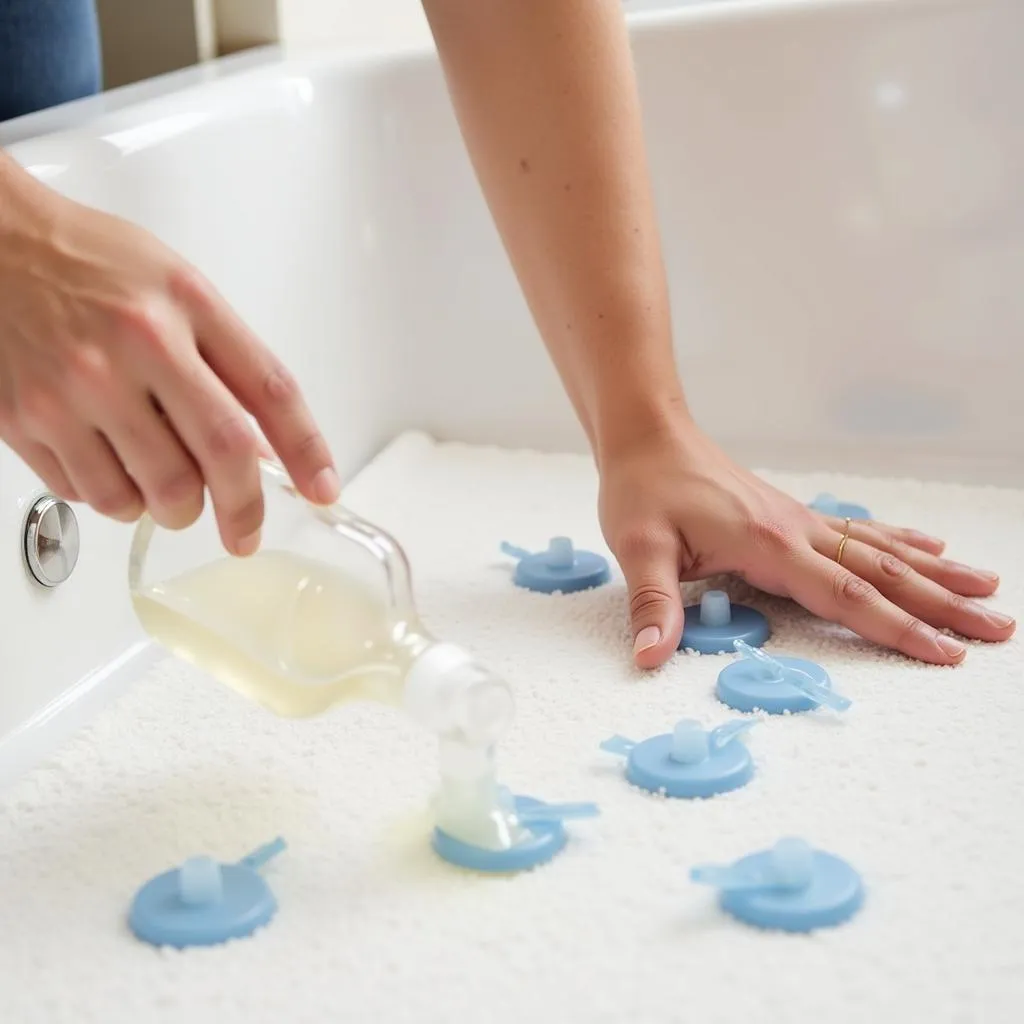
(449, 693)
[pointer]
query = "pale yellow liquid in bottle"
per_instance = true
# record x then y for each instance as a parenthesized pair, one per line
(299, 636)
(294, 634)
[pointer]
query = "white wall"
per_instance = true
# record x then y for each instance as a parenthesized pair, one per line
(314, 23)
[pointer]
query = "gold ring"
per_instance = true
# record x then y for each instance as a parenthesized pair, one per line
(842, 542)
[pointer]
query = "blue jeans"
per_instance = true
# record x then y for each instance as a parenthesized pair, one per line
(49, 54)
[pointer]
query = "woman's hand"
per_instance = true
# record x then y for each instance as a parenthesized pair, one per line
(674, 507)
(125, 379)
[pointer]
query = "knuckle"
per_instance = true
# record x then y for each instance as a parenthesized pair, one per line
(279, 386)
(902, 550)
(851, 591)
(246, 517)
(8, 420)
(231, 438)
(646, 598)
(190, 285)
(772, 536)
(90, 369)
(893, 567)
(312, 449)
(38, 408)
(146, 326)
(181, 486)
(910, 631)
(959, 605)
(117, 503)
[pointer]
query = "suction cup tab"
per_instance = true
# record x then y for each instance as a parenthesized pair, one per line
(546, 836)
(791, 887)
(689, 762)
(561, 569)
(830, 505)
(758, 682)
(713, 626)
(204, 902)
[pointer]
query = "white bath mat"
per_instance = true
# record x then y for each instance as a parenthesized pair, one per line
(921, 788)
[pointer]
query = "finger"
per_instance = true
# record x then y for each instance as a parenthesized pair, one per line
(262, 444)
(923, 597)
(913, 538)
(650, 563)
(214, 429)
(960, 579)
(45, 465)
(265, 387)
(164, 472)
(916, 539)
(95, 472)
(835, 593)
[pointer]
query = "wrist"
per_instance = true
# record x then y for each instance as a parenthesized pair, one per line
(627, 419)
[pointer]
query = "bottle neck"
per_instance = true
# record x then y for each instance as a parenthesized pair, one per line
(451, 695)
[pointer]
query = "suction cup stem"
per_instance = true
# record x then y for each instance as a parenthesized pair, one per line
(560, 553)
(792, 864)
(689, 742)
(200, 882)
(715, 609)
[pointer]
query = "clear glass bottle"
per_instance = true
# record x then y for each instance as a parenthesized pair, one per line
(322, 614)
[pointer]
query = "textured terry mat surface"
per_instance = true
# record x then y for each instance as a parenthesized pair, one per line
(920, 787)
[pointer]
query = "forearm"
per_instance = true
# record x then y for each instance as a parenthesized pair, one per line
(546, 97)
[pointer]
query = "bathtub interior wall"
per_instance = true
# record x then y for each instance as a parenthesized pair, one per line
(838, 199)
(838, 191)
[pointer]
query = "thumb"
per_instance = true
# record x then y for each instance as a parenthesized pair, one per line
(655, 604)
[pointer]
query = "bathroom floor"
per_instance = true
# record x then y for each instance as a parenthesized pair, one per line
(920, 786)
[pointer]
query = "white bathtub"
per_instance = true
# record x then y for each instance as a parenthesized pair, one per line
(840, 189)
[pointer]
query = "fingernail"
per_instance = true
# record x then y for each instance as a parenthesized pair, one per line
(998, 619)
(248, 545)
(647, 638)
(326, 486)
(980, 573)
(949, 646)
(927, 537)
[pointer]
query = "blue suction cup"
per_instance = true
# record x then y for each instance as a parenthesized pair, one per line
(758, 682)
(205, 903)
(689, 762)
(830, 505)
(546, 837)
(562, 569)
(792, 888)
(713, 626)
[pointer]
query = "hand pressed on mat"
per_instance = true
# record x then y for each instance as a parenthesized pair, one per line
(675, 507)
